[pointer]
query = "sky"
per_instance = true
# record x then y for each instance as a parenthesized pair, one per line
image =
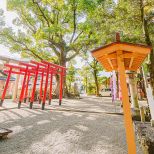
(9, 16)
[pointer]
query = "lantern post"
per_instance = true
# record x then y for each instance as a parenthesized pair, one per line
(130, 136)
(122, 56)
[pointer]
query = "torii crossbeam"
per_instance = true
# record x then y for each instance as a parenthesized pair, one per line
(122, 56)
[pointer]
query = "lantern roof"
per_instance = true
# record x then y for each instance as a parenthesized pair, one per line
(132, 54)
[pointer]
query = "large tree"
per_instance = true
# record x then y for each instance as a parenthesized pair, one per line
(52, 30)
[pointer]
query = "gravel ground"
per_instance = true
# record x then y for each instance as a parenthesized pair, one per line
(83, 126)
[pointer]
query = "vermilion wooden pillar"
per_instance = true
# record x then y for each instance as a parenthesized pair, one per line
(23, 88)
(46, 86)
(34, 87)
(50, 92)
(6, 86)
(61, 73)
(26, 91)
(41, 88)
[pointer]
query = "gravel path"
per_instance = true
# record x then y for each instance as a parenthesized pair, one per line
(84, 126)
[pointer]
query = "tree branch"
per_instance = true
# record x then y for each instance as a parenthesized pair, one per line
(74, 21)
(64, 20)
(25, 47)
(33, 52)
(73, 56)
(54, 49)
(42, 13)
(77, 36)
(30, 25)
(90, 65)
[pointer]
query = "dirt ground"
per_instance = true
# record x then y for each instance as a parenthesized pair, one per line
(83, 126)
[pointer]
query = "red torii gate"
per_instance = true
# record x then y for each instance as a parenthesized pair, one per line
(35, 69)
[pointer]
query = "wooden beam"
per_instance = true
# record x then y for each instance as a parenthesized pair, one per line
(129, 55)
(111, 56)
(135, 49)
(131, 62)
(109, 61)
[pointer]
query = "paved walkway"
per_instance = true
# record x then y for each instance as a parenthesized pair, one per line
(83, 126)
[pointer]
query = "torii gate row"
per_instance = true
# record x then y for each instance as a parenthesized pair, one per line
(122, 56)
(35, 69)
(30, 72)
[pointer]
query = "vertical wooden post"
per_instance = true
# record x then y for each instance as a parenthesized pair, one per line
(46, 86)
(61, 87)
(50, 92)
(130, 136)
(34, 87)
(23, 88)
(15, 91)
(6, 86)
(26, 91)
(41, 86)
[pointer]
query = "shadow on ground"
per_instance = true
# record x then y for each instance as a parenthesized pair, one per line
(52, 132)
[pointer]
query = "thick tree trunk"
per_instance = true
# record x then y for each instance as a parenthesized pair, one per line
(117, 83)
(133, 93)
(141, 85)
(86, 85)
(149, 43)
(150, 85)
(151, 64)
(69, 90)
(57, 86)
(62, 61)
(96, 82)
